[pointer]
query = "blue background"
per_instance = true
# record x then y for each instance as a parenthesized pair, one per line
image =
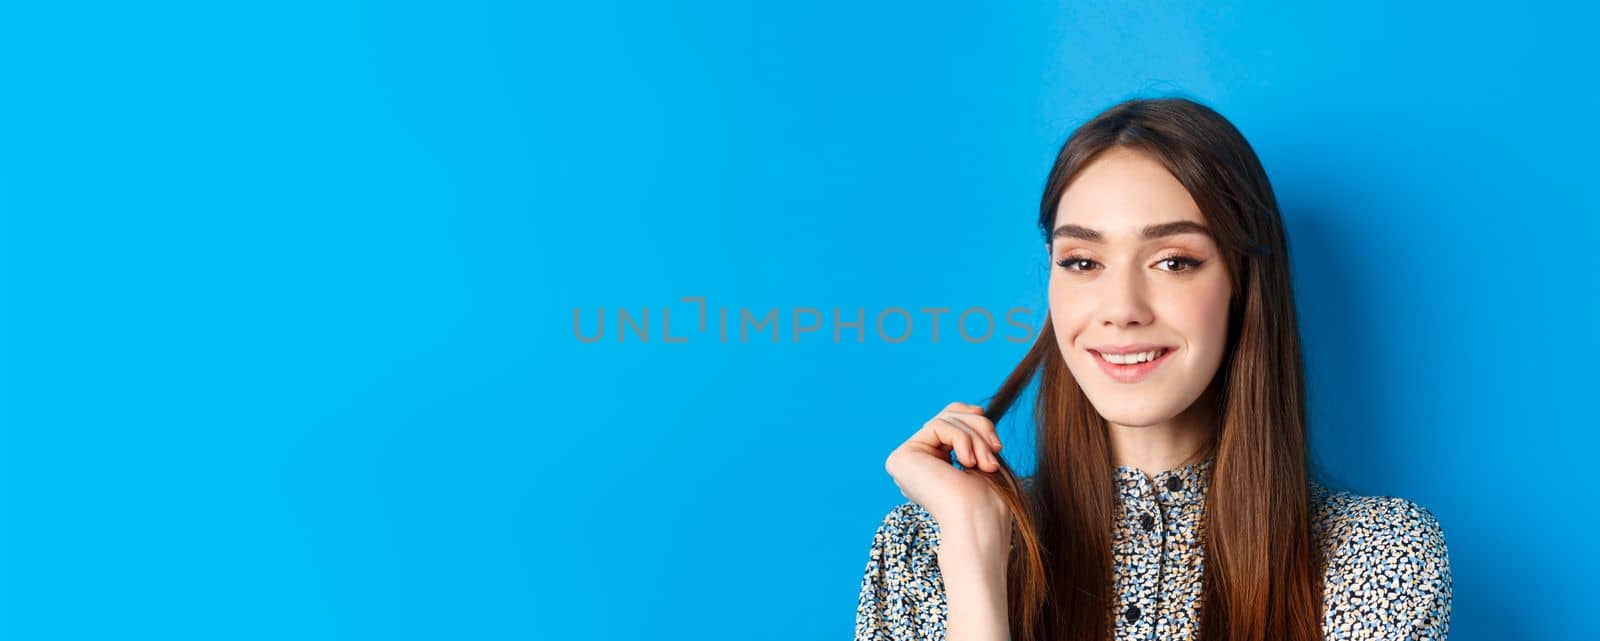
(289, 292)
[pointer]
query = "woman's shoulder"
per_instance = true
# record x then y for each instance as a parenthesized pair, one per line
(1387, 564)
(910, 513)
(902, 592)
(907, 532)
(1339, 514)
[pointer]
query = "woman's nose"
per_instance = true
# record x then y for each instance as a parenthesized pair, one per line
(1124, 300)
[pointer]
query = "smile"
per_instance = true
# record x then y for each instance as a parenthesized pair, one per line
(1130, 373)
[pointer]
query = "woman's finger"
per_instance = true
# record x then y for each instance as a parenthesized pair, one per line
(986, 459)
(960, 438)
(980, 425)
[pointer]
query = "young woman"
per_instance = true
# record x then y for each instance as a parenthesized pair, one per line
(1172, 498)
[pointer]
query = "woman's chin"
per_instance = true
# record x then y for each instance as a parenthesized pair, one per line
(1136, 414)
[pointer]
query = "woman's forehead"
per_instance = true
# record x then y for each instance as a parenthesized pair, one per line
(1123, 191)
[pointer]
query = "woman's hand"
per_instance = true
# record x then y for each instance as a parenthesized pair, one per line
(921, 466)
(974, 524)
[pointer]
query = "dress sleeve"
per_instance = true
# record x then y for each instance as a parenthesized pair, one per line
(1389, 576)
(902, 593)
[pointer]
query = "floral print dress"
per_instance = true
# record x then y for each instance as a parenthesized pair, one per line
(1387, 574)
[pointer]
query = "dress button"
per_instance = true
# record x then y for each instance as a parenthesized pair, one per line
(1147, 523)
(1174, 483)
(1132, 614)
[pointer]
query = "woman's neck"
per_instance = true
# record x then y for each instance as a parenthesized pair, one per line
(1154, 449)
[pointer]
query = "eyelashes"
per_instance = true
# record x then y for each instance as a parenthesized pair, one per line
(1186, 263)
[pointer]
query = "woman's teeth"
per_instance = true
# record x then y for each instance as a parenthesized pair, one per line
(1134, 358)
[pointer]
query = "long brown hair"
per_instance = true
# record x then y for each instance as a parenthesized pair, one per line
(1262, 577)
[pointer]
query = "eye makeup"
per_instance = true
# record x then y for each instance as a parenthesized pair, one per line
(1073, 262)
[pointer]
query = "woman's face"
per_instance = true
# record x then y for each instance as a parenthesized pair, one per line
(1124, 277)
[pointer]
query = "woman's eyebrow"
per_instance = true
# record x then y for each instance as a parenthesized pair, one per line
(1149, 232)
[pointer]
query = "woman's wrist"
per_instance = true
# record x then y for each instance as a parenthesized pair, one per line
(983, 531)
(973, 553)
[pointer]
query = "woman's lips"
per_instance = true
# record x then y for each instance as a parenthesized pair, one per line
(1131, 373)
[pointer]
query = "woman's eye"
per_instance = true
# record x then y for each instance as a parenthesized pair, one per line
(1172, 264)
(1070, 262)
(1186, 264)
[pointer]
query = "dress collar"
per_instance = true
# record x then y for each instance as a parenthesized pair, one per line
(1176, 486)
